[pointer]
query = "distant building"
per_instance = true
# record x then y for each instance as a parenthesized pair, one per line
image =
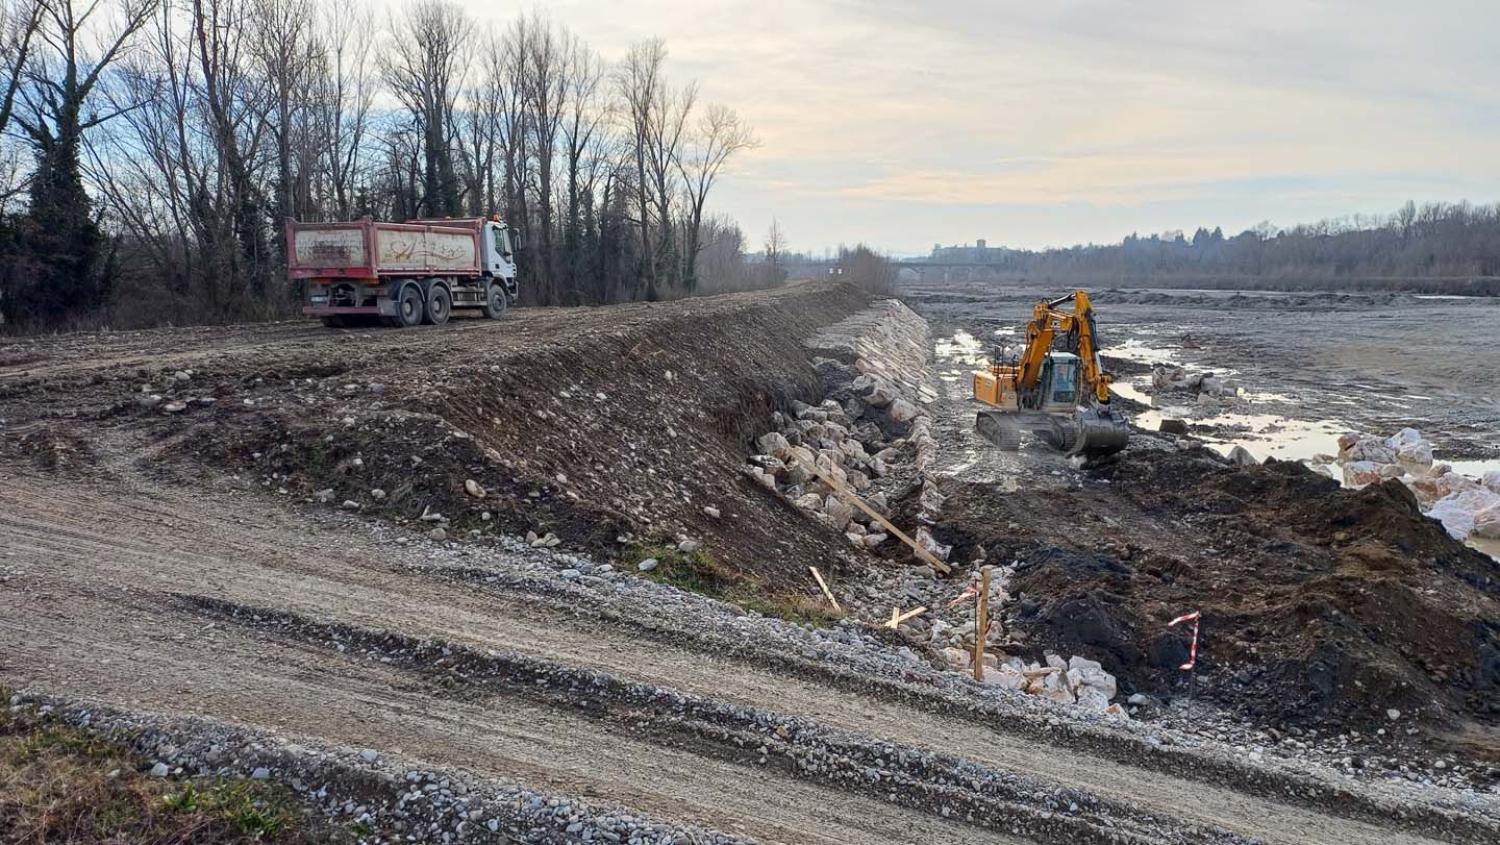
(979, 253)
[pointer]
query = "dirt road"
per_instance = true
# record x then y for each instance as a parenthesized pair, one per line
(126, 582)
(91, 614)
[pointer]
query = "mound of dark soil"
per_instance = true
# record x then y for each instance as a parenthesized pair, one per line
(1319, 604)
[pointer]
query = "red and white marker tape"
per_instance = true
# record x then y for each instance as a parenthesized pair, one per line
(970, 592)
(1193, 649)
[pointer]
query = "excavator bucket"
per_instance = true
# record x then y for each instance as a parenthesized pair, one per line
(1090, 433)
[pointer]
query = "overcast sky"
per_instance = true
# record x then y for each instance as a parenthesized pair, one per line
(1031, 123)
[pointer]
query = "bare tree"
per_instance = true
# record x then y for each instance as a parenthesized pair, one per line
(585, 124)
(478, 144)
(718, 135)
(671, 111)
(544, 88)
(232, 100)
(640, 86)
(289, 57)
(424, 65)
(19, 21)
(508, 67)
(71, 52)
(344, 99)
(775, 244)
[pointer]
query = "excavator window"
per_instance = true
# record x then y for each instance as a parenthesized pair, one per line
(1065, 380)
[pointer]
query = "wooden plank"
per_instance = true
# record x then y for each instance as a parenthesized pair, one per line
(981, 623)
(898, 617)
(827, 592)
(849, 496)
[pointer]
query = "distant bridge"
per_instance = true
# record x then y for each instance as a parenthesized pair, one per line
(950, 271)
(918, 271)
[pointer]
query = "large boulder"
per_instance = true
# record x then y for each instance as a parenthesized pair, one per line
(902, 411)
(1439, 483)
(797, 473)
(1089, 673)
(876, 391)
(1487, 523)
(1091, 698)
(1360, 473)
(774, 444)
(1466, 512)
(1356, 447)
(838, 511)
(925, 539)
(1491, 481)
(810, 502)
(829, 465)
(1413, 451)
(1005, 677)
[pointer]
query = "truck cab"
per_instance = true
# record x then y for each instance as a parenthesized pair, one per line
(499, 251)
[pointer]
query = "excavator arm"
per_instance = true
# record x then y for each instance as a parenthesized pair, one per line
(1047, 322)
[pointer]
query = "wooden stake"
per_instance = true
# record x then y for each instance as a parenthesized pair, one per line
(844, 493)
(831, 600)
(897, 617)
(981, 622)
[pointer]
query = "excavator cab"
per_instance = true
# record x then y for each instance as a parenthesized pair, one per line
(1060, 383)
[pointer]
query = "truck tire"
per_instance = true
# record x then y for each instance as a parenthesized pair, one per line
(439, 305)
(409, 307)
(495, 301)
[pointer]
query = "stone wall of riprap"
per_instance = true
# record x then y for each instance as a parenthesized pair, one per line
(871, 432)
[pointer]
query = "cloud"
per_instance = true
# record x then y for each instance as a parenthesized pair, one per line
(905, 123)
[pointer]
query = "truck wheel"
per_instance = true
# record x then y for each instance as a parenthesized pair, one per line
(495, 301)
(409, 309)
(439, 305)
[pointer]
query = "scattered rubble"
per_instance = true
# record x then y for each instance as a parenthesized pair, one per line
(1203, 384)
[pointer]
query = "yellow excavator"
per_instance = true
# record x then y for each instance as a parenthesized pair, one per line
(1061, 395)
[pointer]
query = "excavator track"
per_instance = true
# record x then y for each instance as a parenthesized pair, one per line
(1000, 429)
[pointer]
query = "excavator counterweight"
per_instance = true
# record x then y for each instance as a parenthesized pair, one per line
(1061, 395)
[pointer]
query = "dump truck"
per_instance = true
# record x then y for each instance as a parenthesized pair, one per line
(403, 274)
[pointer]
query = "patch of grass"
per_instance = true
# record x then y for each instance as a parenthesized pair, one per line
(699, 571)
(59, 783)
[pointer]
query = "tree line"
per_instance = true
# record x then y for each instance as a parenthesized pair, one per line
(1448, 246)
(154, 149)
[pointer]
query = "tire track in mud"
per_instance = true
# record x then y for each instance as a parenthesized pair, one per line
(295, 692)
(935, 783)
(95, 566)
